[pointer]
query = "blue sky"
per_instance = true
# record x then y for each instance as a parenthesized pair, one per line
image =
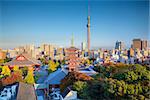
(37, 22)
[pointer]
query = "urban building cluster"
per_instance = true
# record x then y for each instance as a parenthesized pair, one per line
(47, 69)
(30, 56)
(139, 51)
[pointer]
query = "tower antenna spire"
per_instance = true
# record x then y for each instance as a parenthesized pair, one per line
(88, 28)
(72, 40)
(88, 7)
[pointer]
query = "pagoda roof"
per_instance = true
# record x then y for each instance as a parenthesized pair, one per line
(72, 48)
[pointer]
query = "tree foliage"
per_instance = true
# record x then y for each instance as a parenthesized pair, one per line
(53, 66)
(133, 84)
(95, 90)
(13, 78)
(73, 77)
(5, 71)
(118, 81)
(87, 61)
(16, 68)
(79, 86)
(7, 59)
(30, 76)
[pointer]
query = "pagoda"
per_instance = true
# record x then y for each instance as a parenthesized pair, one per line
(72, 54)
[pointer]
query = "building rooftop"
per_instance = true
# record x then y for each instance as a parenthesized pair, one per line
(56, 77)
(23, 60)
(136, 39)
(26, 92)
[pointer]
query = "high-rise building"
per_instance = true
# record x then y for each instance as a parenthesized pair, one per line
(36, 53)
(48, 49)
(12, 53)
(137, 44)
(30, 50)
(144, 44)
(140, 44)
(119, 45)
(83, 46)
(131, 52)
(88, 29)
(20, 49)
(2, 54)
(59, 55)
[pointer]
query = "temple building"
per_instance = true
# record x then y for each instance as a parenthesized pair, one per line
(23, 60)
(72, 56)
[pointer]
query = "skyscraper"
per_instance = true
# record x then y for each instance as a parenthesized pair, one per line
(140, 44)
(137, 44)
(83, 46)
(119, 45)
(48, 49)
(144, 44)
(88, 29)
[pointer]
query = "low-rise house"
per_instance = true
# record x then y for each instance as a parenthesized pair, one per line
(54, 79)
(69, 94)
(50, 83)
(18, 91)
(8, 92)
(88, 71)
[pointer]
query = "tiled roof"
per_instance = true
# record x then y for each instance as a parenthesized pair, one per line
(56, 77)
(28, 61)
(72, 48)
(26, 92)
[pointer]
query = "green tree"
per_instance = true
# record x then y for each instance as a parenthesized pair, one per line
(95, 91)
(16, 68)
(5, 71)
(79, 86)
(30, 77)
(88, 61)
(1, 61)
(53, 66)
(7, 59)
(63, 62)
(137, 73)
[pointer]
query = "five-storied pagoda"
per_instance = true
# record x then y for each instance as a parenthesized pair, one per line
(72, 57)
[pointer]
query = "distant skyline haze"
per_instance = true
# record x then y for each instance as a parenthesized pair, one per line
(53, 22)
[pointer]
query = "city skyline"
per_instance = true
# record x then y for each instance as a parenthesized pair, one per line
(38, 22)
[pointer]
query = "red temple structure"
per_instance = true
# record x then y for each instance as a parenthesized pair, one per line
(72, 58)
(23, 60)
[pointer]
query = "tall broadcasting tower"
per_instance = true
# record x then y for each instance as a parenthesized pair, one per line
(88, 28)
